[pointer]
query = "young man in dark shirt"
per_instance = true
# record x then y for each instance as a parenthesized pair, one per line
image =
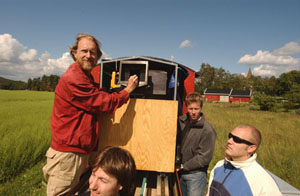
(197, 147)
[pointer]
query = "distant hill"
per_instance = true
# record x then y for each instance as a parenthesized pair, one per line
(12, 84)
(4, 80)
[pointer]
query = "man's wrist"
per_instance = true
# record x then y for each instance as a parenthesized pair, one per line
(181, 166)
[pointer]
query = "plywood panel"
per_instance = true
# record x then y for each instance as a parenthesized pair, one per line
(145, 127)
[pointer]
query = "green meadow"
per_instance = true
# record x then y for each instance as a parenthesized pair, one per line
(25, 136)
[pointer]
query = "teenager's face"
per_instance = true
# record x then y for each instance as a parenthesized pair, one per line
(194, 111)
(86, 54)
(102, 184)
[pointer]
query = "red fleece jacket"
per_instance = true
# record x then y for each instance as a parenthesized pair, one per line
(78, 102)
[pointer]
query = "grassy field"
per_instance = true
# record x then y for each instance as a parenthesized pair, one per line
(25, 136)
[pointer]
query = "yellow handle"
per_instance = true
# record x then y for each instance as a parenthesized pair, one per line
(113, 81)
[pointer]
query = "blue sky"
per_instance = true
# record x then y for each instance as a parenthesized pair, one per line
(232, 34)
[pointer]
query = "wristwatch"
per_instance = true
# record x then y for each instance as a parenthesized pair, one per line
(181, 166)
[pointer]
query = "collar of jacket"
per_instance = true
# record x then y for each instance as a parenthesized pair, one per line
(199, 123)
(241, 164)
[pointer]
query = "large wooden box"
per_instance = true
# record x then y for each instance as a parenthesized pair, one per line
(145, 127)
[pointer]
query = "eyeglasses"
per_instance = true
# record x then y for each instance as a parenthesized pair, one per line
(238, 140)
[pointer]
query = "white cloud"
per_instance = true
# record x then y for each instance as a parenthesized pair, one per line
(172, 58)
(265, 57)
(10, 48)
(265, 70)
(271, 70)
(57, 66)
(18, 63)
(28, 56)
(273, 63)
(288, 49)
(185, 44)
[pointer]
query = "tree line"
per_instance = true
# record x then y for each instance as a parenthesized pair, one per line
(44, 83)
(266, 90)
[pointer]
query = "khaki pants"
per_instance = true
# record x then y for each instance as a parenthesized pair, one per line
(63, 170)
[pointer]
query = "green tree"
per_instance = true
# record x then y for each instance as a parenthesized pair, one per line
(17, 85)
(206, 77)
(293, 95)
(257, 83)
(36, 84)
(29, 84)
(271, 86)
(264, 101)
(219, 79)
(44, 83)
(53, 81)
(287, 81)
(237, 82)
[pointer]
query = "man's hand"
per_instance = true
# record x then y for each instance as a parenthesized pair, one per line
(179, 167)
(132, 83)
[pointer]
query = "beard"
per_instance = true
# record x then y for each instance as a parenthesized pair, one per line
(86, 65)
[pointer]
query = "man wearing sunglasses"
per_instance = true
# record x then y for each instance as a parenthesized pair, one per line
(239, 173)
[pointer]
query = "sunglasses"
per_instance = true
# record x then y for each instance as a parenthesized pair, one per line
(238, 140)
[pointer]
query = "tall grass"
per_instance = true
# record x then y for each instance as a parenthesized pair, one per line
(279, 151)
(24, 130)
(30, 182)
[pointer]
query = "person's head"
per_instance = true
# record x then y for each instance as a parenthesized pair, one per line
(86, 51)
(113, 173)
(193, 102)
(242, 143)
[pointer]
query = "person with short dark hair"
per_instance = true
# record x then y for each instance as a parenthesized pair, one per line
(239, 173)
(78, 103)
(197, 146)
(113, 174)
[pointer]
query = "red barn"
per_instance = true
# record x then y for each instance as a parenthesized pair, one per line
(239, 96)
(217, 95)
(227, 95)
